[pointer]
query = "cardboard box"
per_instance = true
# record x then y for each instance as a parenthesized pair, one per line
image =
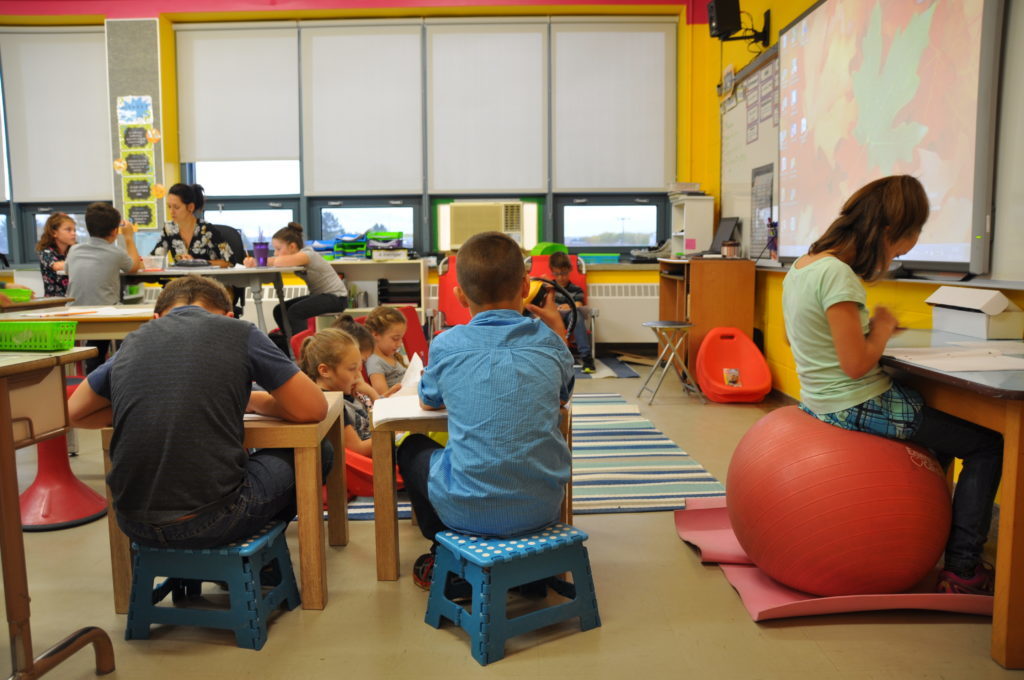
(977, 312)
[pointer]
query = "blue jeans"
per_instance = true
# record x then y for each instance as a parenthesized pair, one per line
(580, 337)
(267, 495)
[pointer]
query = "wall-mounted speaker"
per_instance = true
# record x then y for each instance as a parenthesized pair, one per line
(723, 18)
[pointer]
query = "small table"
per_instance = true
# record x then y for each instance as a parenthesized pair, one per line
(95, 322)
(305, 438)
(32, 409)
(251, 277)
(403, 414)
(992, 399)
(36, 303)
(671, 336)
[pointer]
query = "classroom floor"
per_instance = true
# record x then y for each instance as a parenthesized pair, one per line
(664, 614)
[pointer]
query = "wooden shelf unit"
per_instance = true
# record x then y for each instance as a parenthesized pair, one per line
(364, 273)
(708, 294)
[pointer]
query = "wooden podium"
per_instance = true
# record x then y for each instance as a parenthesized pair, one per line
(707, 293)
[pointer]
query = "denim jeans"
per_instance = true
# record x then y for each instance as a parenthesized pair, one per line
(580, 337)
(981, 450)
(414, 463)
(301, 308)
(267, 494)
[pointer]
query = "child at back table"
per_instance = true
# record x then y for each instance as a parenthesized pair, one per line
(837, 348)
(385, 367)
(502, 377)
(561, 267)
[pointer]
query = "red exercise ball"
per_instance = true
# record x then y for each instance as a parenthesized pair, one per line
(833, 512)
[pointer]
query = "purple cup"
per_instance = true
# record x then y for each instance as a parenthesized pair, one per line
(259, 251)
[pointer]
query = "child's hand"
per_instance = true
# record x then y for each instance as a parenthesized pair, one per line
(549, 313)
(128, 230)
(249, 262)
(884, 320)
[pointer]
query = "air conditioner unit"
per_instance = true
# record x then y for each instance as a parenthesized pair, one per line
(472, 217)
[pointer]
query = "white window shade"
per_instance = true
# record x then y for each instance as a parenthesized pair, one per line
(362, 95)
(487, 107)
(58, 115)
(238, 93)
(614, 108)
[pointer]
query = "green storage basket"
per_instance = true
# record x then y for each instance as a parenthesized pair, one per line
(17, 294)
(44, 336)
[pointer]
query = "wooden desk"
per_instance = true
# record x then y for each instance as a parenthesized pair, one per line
(36, 303)
(993, 399)
(409, 417)
(251, 277)
(305, 438)
(96, 322)
(708, 294)
(33, 408)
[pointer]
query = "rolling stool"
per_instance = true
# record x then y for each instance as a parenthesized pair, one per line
(672, 334)
(494, 565)
(245, 566)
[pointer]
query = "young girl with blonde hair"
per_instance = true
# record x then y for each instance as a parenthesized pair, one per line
(331, 359)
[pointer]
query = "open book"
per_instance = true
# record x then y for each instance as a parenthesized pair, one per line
(411, 379)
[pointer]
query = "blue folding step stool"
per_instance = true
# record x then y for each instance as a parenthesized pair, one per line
(494, 565)
(244, 566)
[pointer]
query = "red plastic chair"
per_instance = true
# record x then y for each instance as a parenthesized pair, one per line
(540, 265)
(730, 367)
(57, 499)
(359, 474)
(297, 342)
(415, 340)
(452, 313)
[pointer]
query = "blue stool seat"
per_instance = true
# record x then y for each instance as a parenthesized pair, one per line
(494, 565)
(258, 574)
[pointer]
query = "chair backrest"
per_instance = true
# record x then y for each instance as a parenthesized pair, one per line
(453, 313)
(415, 340)
(540, 265)
(297, 341)
(234, 240)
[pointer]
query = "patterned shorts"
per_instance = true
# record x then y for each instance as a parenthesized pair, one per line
(896, 413)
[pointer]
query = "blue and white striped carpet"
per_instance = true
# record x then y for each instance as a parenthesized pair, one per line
(621, 463)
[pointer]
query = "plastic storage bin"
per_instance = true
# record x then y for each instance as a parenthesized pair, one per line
(17, 294)
(44, 336)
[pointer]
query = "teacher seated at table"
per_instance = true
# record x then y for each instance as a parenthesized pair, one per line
(186, 236)
(180, 476)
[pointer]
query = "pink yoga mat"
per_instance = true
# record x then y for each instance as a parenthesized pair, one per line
(705, 524)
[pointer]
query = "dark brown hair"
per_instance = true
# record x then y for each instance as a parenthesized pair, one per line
(53, 223)
(290, 234)
(193, 289)
(490, 268)
(365, 339)
(101, 219)
(878, 214)
(189, 193)
(559, 261)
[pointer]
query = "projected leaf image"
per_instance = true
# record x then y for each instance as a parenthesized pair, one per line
(884, 89)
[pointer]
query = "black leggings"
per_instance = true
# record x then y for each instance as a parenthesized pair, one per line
(301, 308)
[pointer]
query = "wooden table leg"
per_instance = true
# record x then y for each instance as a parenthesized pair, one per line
(337, 489)
(312, 553)
(1008, 610)
(565, 425)
(120, 546)
(385, 506)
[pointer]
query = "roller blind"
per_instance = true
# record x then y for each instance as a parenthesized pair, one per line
(614, 105)
(58, 116)
(238, 92)
(362, 94)
(487, 107)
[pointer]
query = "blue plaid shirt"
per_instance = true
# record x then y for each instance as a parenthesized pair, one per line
(502, 378)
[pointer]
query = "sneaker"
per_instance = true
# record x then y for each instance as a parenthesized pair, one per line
(423, 570)
(981, 582)
(588, 364)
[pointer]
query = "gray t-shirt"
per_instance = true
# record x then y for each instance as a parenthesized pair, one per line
(93, 269)
(172, 453)
(320, 276)
(377, 364)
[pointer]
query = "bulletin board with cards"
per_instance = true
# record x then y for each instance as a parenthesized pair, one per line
(750, 149)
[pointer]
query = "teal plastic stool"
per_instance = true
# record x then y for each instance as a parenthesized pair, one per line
(258, 574)
(494, 565)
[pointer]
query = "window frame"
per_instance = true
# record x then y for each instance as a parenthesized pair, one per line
(316, 204)
(660, 201)
(283, 202)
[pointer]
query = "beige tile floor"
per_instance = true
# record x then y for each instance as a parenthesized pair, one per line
(664, 614)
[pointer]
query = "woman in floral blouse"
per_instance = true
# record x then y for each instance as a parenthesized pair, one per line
(57, 238)
(186, 236)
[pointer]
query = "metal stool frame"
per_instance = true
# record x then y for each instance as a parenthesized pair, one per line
(672, 334)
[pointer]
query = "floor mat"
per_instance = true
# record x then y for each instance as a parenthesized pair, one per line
(607, 367)
(705, 525)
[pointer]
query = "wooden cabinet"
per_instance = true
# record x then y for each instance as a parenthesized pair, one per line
(708, 294)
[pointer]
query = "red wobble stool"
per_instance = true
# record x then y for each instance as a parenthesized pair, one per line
(57, 499)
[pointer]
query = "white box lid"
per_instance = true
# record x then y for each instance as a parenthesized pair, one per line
(990, 302)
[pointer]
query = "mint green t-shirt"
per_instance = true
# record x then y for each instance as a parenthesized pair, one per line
(806, 295)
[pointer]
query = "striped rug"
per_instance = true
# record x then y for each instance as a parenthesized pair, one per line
(621, 463)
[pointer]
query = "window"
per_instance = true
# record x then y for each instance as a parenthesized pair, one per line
(610, 223)
(357, 216)
(32, 220)
(248, 178)
(5, 243)
(256, 219)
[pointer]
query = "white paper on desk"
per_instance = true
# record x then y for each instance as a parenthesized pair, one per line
(1005, 346)
(91, 311)
(259, 416)
(411, 379)
(954, 359)
(401, 407)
